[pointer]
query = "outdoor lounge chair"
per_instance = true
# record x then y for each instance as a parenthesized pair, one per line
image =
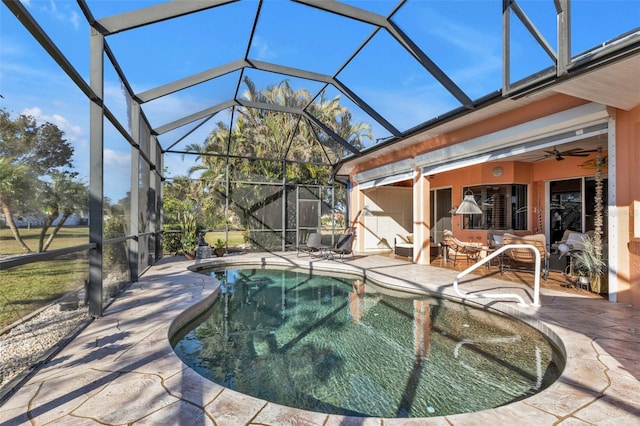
(523, 258)
(343, 246)
(312, 246)
(455, 248)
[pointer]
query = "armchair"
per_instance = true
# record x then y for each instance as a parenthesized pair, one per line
(454, 248)
(523, 258)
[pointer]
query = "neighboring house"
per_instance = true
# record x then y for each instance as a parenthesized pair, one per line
(26, 221)
(37, 221)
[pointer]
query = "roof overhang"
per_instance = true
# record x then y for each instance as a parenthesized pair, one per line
(581, 122)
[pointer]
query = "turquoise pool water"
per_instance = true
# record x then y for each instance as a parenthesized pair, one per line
(344, 346)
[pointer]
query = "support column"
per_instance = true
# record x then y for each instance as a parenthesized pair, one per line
(160, 203)
(156, 188)
(283, 213)
(421, 219)
(134, 221)
(356, 221)
(96, 172)
(563, 10)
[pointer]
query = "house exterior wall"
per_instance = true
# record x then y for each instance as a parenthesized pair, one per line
(627, 208)
(626, 182)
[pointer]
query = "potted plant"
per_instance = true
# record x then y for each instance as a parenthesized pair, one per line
(220, 247)
(588, 263)
(189, 238)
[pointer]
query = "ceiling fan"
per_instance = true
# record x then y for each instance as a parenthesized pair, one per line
(574, 152)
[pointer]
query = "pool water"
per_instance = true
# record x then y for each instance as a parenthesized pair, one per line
(341, 345)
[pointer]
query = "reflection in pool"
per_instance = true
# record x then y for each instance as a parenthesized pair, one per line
(344, 346)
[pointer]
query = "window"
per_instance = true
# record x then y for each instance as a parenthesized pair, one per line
(503, 207)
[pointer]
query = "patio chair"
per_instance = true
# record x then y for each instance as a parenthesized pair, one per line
(524, 259)
(312, 246)
(494, 237)
(454, 248)
(343, 247)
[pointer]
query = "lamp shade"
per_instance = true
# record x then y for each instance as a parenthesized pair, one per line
(469, 206)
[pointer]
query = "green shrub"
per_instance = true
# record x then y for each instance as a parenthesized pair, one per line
(189, 228)
(171, 241)
(114, 254)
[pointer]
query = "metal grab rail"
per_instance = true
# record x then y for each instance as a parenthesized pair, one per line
(536, 283)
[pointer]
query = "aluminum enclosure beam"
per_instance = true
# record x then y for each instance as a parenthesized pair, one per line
(380, 21)
(149, 15)
(193, 117)
(96, 175)
(230, 67)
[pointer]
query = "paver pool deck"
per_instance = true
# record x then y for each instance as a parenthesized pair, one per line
(121, 368)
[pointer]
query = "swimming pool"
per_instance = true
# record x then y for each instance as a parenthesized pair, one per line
(341, 345)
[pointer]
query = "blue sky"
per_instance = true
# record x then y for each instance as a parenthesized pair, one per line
(462, 37)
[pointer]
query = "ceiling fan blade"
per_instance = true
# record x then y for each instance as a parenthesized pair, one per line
(578, 152)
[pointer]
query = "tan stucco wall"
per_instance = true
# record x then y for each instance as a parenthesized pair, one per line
(627, 201)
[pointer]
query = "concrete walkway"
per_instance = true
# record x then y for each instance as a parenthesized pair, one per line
(122, 370)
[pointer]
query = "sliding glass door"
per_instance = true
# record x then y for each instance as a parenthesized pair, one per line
(572, 205)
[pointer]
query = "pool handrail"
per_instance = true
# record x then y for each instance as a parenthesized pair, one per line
(481, 262)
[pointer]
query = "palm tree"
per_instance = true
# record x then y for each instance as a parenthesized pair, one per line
(262, 141)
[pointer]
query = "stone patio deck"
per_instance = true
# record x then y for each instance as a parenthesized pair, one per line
(121, 369)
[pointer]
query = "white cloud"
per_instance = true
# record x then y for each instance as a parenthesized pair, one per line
(117, 174)
(116, 159)
(65, 15)
(75, 19)
(169, 108)
(71, 131)
(482, 50)
(261, 50)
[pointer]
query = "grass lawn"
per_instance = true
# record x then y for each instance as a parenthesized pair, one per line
(27, 288)
(67, 237)
(235, 238)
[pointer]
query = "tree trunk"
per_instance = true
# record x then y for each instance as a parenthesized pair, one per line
(47, 223)
(11, 224)
(65, 214)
